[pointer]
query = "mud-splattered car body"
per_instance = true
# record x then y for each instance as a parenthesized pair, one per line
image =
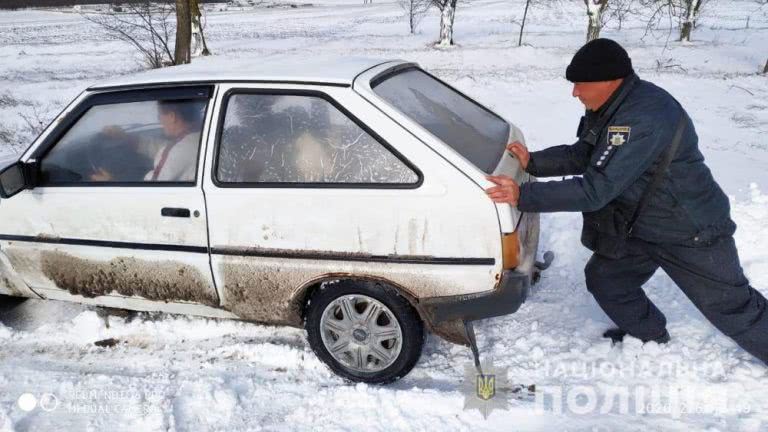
(257, 251)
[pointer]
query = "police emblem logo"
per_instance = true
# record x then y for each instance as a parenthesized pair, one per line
(618, 135)
(486, 386)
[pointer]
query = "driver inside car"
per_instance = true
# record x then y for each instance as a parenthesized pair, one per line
(176, 159)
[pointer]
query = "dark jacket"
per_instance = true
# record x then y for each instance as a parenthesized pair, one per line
(688, 205)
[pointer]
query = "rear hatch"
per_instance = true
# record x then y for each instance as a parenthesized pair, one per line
(473, 131)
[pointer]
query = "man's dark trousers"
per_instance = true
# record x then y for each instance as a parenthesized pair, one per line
(710, 276)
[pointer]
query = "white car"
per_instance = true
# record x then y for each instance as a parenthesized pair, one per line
(346, 197)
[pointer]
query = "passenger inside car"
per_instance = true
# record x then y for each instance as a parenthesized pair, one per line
(174, 153)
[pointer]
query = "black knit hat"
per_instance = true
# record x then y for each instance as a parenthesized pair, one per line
(599, 60)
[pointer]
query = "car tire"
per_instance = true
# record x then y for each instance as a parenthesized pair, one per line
(364, 331)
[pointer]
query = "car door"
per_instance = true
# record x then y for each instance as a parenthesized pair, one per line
(118, 213)
(306, 183)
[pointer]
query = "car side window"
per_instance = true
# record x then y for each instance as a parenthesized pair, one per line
(128, 143)
(301, 139)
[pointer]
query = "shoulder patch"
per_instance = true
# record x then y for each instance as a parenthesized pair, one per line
(618, 135)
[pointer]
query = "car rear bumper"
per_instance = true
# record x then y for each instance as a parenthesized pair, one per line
(505, 299)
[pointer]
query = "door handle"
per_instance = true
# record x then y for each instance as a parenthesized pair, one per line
(174, 212)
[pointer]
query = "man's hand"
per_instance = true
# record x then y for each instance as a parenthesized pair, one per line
(505, 191)
(521, 153)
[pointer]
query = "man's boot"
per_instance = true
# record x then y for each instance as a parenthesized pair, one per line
(616, 335)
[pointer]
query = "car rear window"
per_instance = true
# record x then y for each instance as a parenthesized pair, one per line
(466, 126)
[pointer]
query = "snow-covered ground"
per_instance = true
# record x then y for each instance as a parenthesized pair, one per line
(181, 373)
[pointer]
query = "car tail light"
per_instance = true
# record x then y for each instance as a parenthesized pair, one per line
(510, 250)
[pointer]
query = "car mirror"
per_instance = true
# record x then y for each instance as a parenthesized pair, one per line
(13, 180)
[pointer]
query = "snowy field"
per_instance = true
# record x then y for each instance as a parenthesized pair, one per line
(190, 374)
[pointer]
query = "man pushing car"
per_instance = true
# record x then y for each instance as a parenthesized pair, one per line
(649, 201)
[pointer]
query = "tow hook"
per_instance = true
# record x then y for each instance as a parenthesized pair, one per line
(470, 330)
(549, 256)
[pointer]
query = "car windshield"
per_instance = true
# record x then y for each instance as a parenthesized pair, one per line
(466, 126)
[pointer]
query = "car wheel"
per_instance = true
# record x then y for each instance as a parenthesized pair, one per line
(364, 331)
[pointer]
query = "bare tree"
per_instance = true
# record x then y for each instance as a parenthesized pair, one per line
(595, 9)
(690, 12)
(682, 13)
(182, 53)
(619, 11)
(153, 27)
(599, 13)
(147, 25)
(447, 15)
(530, 6)
(415, 11)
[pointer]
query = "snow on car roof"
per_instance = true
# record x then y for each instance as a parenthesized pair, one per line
(340, 70)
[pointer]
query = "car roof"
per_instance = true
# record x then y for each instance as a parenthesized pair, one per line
(333, 71)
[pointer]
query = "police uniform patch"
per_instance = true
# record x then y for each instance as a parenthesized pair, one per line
(618, 135)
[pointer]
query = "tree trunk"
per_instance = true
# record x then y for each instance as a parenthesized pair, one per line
(595, 10)
(685, 32)
(411, 13)
(522, 26)
(691, 13)
(447, 15)
(696, 12)
(765, 69)
(199, 47)
(183, 32)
